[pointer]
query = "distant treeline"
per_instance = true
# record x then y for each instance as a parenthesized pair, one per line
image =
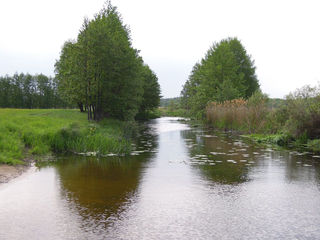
(166, 102)
(29, 91)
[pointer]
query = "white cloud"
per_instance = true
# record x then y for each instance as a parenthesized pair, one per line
(282, 36)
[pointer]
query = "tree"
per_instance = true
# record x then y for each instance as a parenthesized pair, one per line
(29, 91)
(225, 73)
(69, 74)
(151, 90)
(103, 71)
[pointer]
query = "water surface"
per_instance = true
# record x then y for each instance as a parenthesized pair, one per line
(179, 183)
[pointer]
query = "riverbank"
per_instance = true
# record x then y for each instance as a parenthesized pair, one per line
(9, 172)
(276, 139)
(203, 180)
(39, 132)
(286, 141)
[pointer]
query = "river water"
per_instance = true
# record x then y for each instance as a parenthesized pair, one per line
(180, 183)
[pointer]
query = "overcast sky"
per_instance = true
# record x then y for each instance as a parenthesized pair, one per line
(282, 36)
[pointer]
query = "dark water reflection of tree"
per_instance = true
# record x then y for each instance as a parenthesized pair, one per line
(223, 171)
(286, 164)
(101, 188)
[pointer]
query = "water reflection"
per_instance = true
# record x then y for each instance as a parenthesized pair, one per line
(180, 183)
(229, 159)
(217, 158)
(100, 189)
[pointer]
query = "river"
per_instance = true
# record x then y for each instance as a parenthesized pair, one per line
(179, 183)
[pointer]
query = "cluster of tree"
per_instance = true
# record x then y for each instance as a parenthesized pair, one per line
(103, 73)
(225, 73)
(165, 102)
(29, 91)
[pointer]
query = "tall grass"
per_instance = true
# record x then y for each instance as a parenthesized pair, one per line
(40, 132)
(296, 121)
(239, 114)
(227, 115)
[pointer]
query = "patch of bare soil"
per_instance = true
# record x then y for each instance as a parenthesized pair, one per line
(8, 172)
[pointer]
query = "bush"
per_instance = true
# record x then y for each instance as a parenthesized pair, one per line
(303, 112)
(314, 145)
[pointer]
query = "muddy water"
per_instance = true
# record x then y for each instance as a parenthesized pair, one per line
(180, 183)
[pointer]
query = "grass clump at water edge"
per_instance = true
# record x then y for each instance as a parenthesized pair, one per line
(40, 132)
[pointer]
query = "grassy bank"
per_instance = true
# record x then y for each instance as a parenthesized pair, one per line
(294, 122)
(283, 140)
(40, 132)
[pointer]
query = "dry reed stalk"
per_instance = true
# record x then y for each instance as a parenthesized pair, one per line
(236, 114)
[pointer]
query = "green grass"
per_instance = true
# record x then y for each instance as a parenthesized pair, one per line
(42, 131)
(283, 140)
(279, 139)
(314, 145)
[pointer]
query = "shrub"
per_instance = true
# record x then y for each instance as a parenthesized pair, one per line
(314, 145)
(303, 112)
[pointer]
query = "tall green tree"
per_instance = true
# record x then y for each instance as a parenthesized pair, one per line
(69, 74)
(225, 73)
(151, 90)
(102, 70)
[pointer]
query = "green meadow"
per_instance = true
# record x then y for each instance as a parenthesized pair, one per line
(39, 132)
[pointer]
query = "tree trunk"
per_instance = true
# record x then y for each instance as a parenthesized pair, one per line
(80, 105)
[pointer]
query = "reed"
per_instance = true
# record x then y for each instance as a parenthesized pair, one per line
(239, 114)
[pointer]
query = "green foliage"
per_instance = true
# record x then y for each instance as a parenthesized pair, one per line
(29, 91)
(314, 145)
(276, 102)
(295, 121)
(177, 112)
(303, 112)
(227, 72)
(279, 139)
(147, 115)
(151, 91)
(172, 107)
(39, 132)
(165, 102)
(102, 71)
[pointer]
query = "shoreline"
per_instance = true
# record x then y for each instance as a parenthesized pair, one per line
(10, 172)
(276, 140)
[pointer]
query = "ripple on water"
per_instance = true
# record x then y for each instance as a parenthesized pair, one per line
(217, 153)
(149, 197)
(233, 154)
(307, 165)
(231, 161)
